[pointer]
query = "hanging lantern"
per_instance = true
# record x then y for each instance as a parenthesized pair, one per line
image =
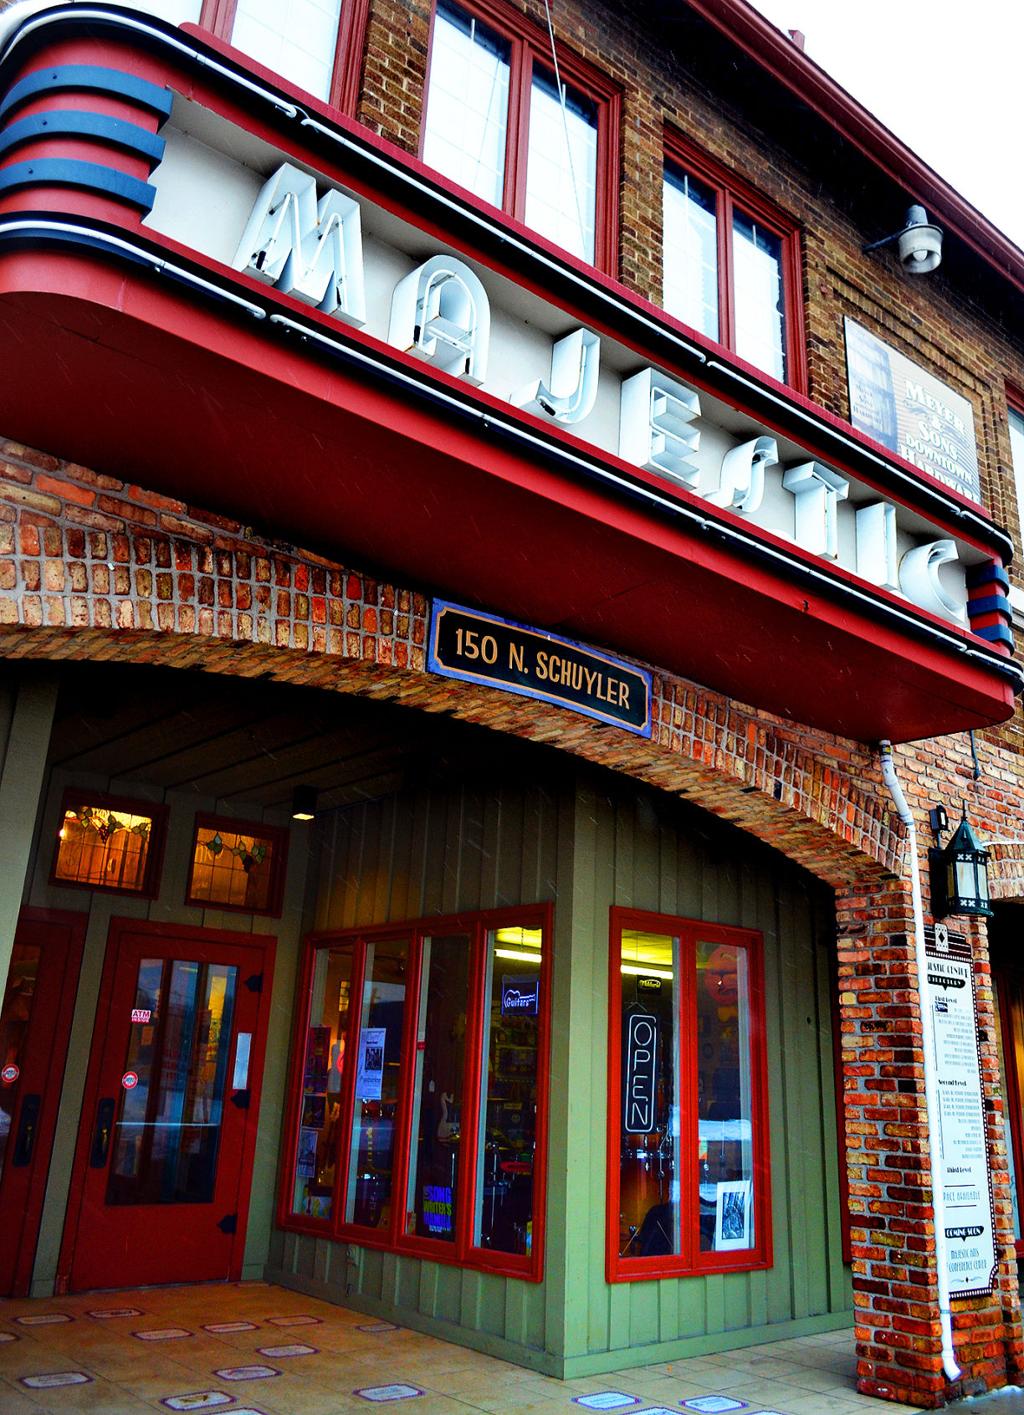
(960, 875)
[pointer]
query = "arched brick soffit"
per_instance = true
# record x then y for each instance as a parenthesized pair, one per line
(715, 753)
(94, 568)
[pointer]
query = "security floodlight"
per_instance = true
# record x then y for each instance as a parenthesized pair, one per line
(919, 243)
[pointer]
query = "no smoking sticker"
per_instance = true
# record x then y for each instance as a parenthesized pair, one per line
(130, 1080)
(10, 1074)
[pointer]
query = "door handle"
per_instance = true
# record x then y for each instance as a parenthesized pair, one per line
(28, 1124)
(101, 1133)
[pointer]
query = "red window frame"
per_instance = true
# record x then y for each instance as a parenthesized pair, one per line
(1009, 992)
(75, 796)
(528, 46)
(1015, 405)
(277, 835)
(462, 1252)
(731, 191)
(218, 16)
(690, 1261)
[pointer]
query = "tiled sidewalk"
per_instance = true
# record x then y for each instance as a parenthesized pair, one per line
(255, 1349)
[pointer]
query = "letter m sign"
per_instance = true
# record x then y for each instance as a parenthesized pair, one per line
(310, 249)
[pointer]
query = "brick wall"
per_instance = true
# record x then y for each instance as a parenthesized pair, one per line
(939, 322)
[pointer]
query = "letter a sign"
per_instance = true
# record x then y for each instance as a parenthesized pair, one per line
(641, 1069)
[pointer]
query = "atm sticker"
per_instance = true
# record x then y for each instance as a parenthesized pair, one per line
(141, 1014)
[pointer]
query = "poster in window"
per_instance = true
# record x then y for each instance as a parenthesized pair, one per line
(305, 1161)
(314, 1111)
(907, 410)
(370, 1073)
(732, 1215)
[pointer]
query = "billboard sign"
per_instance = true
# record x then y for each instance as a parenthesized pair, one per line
(910, 412)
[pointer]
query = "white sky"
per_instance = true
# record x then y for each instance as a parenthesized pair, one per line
(947, 77)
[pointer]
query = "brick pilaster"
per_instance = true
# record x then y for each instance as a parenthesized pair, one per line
(892, 1228)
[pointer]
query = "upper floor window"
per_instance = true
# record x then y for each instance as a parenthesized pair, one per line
(309, 42)
(1017, 454)
(731, 265)
(501, 124)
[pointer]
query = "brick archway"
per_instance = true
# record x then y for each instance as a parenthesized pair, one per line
(94, 569)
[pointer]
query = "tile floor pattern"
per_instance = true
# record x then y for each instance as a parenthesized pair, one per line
(255, 1349)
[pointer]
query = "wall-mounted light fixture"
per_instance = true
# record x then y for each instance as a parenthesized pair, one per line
(959, 872)
(919, 243)
(304, 803)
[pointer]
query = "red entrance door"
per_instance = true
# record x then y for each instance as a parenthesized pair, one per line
(35, 1017)
(168, 1128)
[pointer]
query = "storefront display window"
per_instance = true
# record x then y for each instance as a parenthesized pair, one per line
(432, 1089)
(509, 1092)
(435, 1174)
(324, 1062)
(377, 1071)
(688, 1162)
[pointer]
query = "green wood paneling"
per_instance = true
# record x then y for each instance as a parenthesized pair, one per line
(426, 852)
(586, 843)
(639, 850)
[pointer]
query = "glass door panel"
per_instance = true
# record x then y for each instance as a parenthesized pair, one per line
(14, 1029)
(167, 1132)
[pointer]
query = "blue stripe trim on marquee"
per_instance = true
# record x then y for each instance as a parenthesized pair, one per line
(61, 172)
(64, 123)
(995, 634)
(90, 78)
(994, 604)
(990, 573)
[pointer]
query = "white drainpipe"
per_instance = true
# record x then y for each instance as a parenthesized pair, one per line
(931, 1099)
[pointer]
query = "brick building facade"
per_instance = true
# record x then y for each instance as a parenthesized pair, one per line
(109, 560)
